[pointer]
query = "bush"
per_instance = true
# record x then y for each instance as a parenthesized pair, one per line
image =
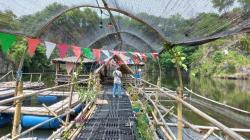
(218, 57)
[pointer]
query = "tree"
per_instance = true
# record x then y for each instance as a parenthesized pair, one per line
(8, 20)
(222, 4)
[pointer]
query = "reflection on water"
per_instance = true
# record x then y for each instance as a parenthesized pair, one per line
(232, 92)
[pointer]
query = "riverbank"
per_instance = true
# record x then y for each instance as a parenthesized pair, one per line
(227, 58)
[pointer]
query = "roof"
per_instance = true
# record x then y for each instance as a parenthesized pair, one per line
(72, 59)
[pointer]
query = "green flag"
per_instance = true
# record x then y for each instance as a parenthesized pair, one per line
(6, 41)
(87, 52)
(148, 55)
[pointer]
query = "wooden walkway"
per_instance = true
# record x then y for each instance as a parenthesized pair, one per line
(114, 120)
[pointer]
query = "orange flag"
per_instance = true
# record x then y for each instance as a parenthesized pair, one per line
(76, 50)
(32, 45)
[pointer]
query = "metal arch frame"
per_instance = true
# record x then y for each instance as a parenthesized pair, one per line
(126, 43)
(45, 27)
(124, 32)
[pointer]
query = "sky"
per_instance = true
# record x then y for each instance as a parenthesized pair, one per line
(186, 8)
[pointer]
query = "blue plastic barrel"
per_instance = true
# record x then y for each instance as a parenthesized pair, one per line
(31, 120)
(47, 99)
(5, 119)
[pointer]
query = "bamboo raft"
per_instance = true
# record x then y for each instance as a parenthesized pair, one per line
(58, 107)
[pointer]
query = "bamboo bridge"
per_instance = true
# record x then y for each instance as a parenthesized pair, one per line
(106, 117)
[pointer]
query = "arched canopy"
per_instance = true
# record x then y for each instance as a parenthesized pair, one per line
(177, 22)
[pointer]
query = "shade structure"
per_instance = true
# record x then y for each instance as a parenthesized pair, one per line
(141, 25)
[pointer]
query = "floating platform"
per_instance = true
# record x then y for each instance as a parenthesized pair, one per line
(110, 121)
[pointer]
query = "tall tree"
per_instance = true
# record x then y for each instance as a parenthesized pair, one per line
(222, 4)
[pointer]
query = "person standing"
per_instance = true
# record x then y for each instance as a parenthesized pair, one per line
(117, 82)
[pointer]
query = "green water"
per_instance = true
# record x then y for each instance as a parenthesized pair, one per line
(235, 93)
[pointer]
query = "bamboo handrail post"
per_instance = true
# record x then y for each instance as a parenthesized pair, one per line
(17, 114)
(69, 105)
(179, 115)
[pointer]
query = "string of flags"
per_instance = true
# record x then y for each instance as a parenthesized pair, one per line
(8, 40)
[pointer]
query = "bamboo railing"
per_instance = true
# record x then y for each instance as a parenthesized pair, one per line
(216, 123)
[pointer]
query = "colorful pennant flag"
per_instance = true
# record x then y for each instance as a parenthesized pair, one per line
(62, 48)
(69, 67)
(115, 52)
(154, 55)
(148, 55)
(6, 41)
(32, 45)
(144, 57)
(106, 52)
(87, 53)
(97, 54)
(76, 50)
(49, 48)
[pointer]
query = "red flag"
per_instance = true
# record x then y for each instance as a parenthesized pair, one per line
(144, 57)
(115, 52)
(136, 59)
(97, 54)
(62, 48)
(76, 50)
(32, 45)
(154, 55)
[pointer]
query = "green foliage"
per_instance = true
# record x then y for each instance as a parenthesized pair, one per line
(38, 62)
(217, 57)
(245, 43)
(222, 4)
(8, 20)
(209, 60)
(143, 128)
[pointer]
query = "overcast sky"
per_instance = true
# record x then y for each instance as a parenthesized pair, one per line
(186, 8)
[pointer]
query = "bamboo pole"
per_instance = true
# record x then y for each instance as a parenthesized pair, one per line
(70, 100)
(161, 127)
(208, 134)
(225, 129)
(54, 114)
(239, 130)
(161, 117)
(17, 114)
(39, 91)
(184, 121)
(40, 124)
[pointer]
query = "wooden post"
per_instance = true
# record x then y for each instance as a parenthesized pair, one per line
(70, 100)
(179, 115)
(17, 114)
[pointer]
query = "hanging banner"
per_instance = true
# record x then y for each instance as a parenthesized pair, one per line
(154, 55)
(62, 48)
(69, 67)
(97, 54)
(106, 52)
(32, 45)
(76, 50)
(115, 52)
(87, 53)
(144, 57)
(6, 41)
(49, 48)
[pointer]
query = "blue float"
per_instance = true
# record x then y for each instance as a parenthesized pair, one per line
(47, 99)
(5, 119)
(31, 120)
